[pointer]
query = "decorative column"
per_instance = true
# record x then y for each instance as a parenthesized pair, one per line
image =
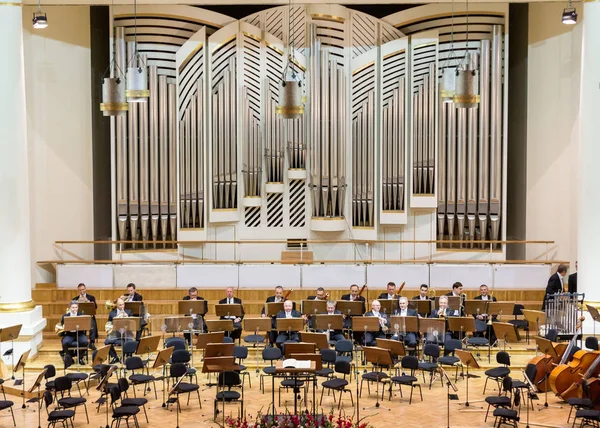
(16, 306)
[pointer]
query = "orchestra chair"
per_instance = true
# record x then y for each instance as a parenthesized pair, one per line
(55, 416)
(449, 359)
(582, 403)
(505, 416)
(183, 356)
(226, 381)
(432, 352)
(122, 412)
(520, 323)
(328, 357)
(134, 364)
(123, 385)
(530, 372)
(338, 384)
(591, 343)
(177, 370)
(498, 373)
(408, 362)
(50, 373)
(62, 386)
(7, 404)
(497, 401)
(269, 354)
(240, 353)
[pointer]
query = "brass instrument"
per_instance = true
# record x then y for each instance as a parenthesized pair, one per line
(82, 299)
(59, 329)
(442, 313)
(110, 305)
(431, 292)
(108, 327)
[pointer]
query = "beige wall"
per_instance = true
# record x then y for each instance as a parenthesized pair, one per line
(552, 140)
(57, 75)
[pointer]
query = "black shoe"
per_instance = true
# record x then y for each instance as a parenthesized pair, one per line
(92, 347)
(115, 360)
(81, 362)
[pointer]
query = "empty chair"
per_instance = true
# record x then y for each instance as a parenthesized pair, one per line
(530, 372)
(136, 366)
(411, 363)
(591, 343)
(56, 416)
(270, 355)
(178, 370)
(328, 357)
(123, 384)
(521, 324)
(7, 404)
(338, 384)
(241, 353)
(183, 356)
(62, 388)
(504, 400)
(505, 416)
(50, 373)
(122, 412)
(449, 359)
(498, 373)
(432, 352)
(227, 339)
(226, 381)
(175, 342)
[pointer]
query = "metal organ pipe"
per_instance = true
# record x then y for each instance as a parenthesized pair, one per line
(121, 144)
(171, 89)
(163, 155)
(154, 136)
(484, 139)
(496, 132)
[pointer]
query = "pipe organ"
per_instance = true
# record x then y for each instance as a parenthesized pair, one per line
(376, 141)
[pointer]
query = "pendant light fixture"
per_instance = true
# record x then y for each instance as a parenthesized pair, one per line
(448, 83)
(137, 72)
(40, 20)
(467, 88)
(569, 15)
(113, 87)
(290, 92)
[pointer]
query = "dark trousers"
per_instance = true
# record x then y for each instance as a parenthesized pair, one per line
(72, 340)
(409, 339)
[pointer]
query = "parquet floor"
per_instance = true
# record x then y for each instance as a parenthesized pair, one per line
(431, 412)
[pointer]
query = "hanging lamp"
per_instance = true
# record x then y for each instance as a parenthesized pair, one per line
(40, 20)
(291, 104)
(113, 89)
(448, 83)
(467, 86)
(137, 72)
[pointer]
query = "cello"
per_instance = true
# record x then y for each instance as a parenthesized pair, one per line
(544, 363)
(576, 389)
(563, 376)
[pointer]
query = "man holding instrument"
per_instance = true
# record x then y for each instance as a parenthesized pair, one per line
(410, 337)
(320, 295)
(230, 300)
(355, 295)
(71, 338)
(114, 337)
(391, 292)
(278, 297)
(334, 335)
(481, 320)
(193, 295)
(384, 322)
(83, 297)
(288, 312)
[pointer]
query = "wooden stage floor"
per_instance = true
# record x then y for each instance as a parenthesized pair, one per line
(431, 412)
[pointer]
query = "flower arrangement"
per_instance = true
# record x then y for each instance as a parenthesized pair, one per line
(288, 420)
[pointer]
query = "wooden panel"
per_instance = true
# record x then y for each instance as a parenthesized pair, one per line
(293, 257)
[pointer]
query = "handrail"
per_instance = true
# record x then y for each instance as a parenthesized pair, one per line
(316, 241)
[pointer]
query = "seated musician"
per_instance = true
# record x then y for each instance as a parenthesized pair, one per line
(410, 338)
(237, 321)
(115, 337)
(72, 338)
(457, 291)
(444, 311)
(391, 292)
(288, 312)
(423, 290)
(198, 319)
(370, 336)
(320, 295)
(354, 296)
(278, 297)
(83, 297)
(481, 320)
(133, 296)
(334, 335)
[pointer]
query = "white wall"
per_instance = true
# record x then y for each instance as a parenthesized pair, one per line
(553, 128)
(57, 75)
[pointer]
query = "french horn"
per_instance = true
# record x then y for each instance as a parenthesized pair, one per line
(59, 329)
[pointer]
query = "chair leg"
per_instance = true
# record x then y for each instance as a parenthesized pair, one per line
(199, 400)
(86, 414)
(485, 384)
(321, 401)
(13, 416)
(146, 414)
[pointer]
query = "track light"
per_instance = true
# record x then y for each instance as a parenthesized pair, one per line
(569, 15)
(40, 20)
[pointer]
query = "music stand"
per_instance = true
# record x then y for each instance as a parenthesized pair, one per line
(476, 307)
(314, 307)
(531, 389)
(309, 357)
(364, 324)
(394, 346)
(380, 358)
(38, 399)
(218, 364)
(299, 348)
(545, 346)
(220, 325)
(219, 350)
(423, 307)
(229, 310)
(87, 308)
(188, 307)
(10, 333)
(273, 308)
(329, 322)
(594, 314)
(449, 385)
(21, 365)
(256, 325)
(388, 306)
(405, 324)
(162, 359)
(77, 324)
(319, 339)
(433, 325)
(176, 324)
(461, 324)
(206, 338)
(148, 345)
(103, 391)
(467, 360)
(101, 355)
(500, 308)
(290, 325)
(507, 331)
(349, 308)
(454, 302)
(134, 307)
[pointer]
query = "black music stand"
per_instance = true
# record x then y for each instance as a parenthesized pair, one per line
(77, 324)
(10, 333)
(594, 314)
(272, 308)
(468, 361)
(531, 395)
(507, 331)
(102, 387)
(21, 365)
(545, 346)
(162, 359)
(38, 398)
(257, 325)
(449, 385)
(423, 307)
(380, 358)
(319, 339)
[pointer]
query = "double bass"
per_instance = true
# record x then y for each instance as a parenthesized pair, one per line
(563, 376)
(576, 389)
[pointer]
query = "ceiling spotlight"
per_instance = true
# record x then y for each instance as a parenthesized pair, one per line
(569, 15)
(39, 20)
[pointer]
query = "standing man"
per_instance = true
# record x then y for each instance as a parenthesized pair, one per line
(410, 338)
(573, 281)
(83, 297)
(71, 338)
(391, 292)
(384, 323)
(555, 284)
(288, 312)
(237, 321)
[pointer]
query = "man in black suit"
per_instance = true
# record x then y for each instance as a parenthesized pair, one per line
(288, 312)
(198, 319)
(353, 296)
(71, 338)
(132, 295)
(334, 335)
(237, 321)
(573, 281)
(390, 294)
(457, 291)
(410, 339)
(423, 295)
(83, 297)
(320, 295)
(481, 320)
(555, 284)
(444, 311)
(276, 298)
(115, 338)
(371, 336)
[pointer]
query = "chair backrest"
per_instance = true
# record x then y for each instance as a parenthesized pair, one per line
(585, 389)
(115, 394)
(51, 372)
(240, 352)
(229, 379)
(451, 345)
(518, 309)
(342, 367)
(328, 355)
(62, 383)
(47, 399)
(180, 356)
(591, 342)
(410, 362)
(517, 399)
(227, 339)
(432, 350)
(130, 347)
(270, 354)
(134, 363)
(531, 372)
(507, 384)
(178, 369)
(552, 335)
(175, 342)
(502, 357)
(123, 384)
(343, 346)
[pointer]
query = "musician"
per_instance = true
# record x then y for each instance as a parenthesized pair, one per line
(423, 290)
(320, 295)
(288, 312)
(237, 321)
(71, 338)
(114, 337)
(555, 284)
(572, 283)
(354, 296)
(132, 295)
(457, 291)
(391, 292)
(278, 297)
(410, 338)
(334, 335)
(481, 320)
(444, 311)
(198, 319)
(384, 321)
(83, 297)
(484, 294)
